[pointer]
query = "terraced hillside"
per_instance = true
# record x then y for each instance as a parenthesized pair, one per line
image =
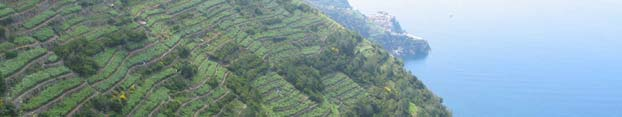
(195, 58)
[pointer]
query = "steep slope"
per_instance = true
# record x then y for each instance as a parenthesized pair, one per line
(380, 28)
(195, 58)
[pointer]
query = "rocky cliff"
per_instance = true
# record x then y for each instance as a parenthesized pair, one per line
(380, 28)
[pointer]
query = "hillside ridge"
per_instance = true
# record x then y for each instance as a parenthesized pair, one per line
(196, 58)
(380, 27)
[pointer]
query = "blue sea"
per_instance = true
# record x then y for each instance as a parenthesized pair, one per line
(517, 58)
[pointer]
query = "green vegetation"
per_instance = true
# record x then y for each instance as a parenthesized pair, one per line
(391, 39)
(76, 55)
(106, 105)
(26, 4)
(412, 108)
(53, 58)
(50, 93)
(9, 66)
(196, 58)
(39, 19)
(71, 9)
(8, 110)
(44, 33)
(10, 55)
(4, 11)
(37, 77)
(24, 40)
(68, 103)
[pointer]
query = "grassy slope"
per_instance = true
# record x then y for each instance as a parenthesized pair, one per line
(197, 58)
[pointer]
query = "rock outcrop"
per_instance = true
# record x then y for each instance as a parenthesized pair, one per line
(381, 28)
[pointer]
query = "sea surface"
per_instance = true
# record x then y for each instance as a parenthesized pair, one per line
(517, 58)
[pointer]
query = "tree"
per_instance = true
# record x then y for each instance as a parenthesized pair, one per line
(7, 110)
(2, 86)
(76, 56)
(178, 84)
(107, 105)
(82, 65)
(10, 55)
(184, 53)
(188, 70)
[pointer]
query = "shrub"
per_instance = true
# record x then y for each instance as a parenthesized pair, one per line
(77, 56)
(43, 34)
(2, 88)
(6, 46)
(188, 70)
(10, 55)
(272, 21)
(178, 84)
(6, 21)
(184, 53)
(6, 11)
(71, 9)
(53, 58)
(23, 40)
(82, 65)
(107, 105)
(8, 110)
(2, 32)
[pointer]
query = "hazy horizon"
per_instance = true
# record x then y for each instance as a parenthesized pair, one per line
(516, 58)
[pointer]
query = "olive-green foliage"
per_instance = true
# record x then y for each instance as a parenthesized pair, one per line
(39, 19)
(6, 21)
(209, 58)
(77, 56)
(3, 87)
(2, 33)
(184, 53)
(188, 70)
(227, 51)
(87, 3)
(24, 40)
(250, 65)
(8, 110)
(9, 66)
(44, 33)
(124, 36)
(306, 79)
(10, 55)
(6, 46)
(107, 104)
(178, 83)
